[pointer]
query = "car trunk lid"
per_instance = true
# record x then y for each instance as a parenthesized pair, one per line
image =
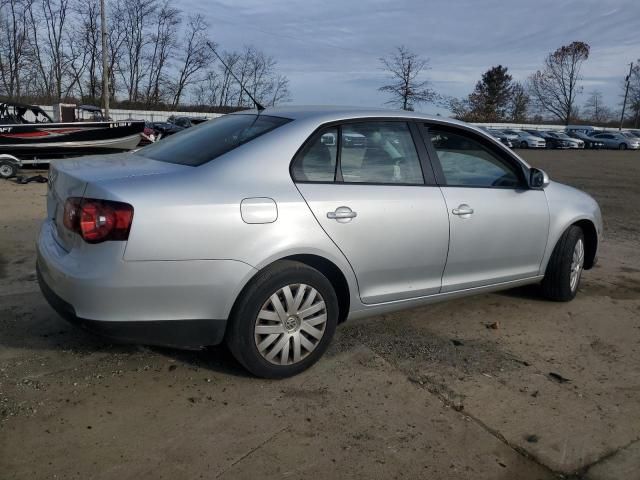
(70, 178)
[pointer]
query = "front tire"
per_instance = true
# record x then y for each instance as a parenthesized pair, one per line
(284, 320)
(623, 146)
(524, 144)
(562, 278)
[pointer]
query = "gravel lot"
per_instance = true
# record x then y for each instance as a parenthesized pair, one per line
(553, 391)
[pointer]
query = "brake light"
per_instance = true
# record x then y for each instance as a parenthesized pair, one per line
(98, 220)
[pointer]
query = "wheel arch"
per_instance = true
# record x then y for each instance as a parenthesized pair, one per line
(327, 267)
(333, 274)
(590, 241)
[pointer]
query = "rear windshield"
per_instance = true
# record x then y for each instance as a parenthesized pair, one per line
(197, 145)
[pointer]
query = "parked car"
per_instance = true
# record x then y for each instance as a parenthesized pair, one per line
(185, 121)
(165, 129)
(500, 136)
(631, 135)
(589, 142)
(551, 141)
(524, 139)
(583, 128)
(253, 230)
(573, 142)
(617, 140)
(635, 132)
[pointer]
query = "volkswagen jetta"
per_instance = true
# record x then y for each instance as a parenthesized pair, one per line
(267, 229)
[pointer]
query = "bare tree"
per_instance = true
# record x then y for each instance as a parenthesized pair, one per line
(279, 90)
(196, 56)
(163, 44)
(226, 89)
(208, 91)
(555, 87)
(13, 45)
(406, 88)
(47, 23)
(89, 44)
(595, 109)
(137, 16)
(256, 74)
(50, 50)
(633, 96)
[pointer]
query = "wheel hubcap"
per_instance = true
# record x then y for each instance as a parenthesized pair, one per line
(577, 263)
(290, 324)
(5, 170)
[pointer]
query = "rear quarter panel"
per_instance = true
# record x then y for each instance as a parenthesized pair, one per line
(195, 214)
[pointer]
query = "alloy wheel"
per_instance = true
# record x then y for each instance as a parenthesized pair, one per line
(290, 324)
(577, 263)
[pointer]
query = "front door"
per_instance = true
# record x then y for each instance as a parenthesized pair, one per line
(499, 227)
(364, 184)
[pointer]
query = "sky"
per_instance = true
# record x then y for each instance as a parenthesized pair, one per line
(330, 49)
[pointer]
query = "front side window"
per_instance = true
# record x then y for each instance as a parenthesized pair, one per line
(379, 152)
(466, 162)
(200, 144)
(316, 162)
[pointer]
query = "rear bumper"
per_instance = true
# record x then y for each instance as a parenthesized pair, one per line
(178, 303)
(191, 334)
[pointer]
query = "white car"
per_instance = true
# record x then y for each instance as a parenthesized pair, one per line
(523, 139)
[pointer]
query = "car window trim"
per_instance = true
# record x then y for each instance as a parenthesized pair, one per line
(521, 169)
(428, 177)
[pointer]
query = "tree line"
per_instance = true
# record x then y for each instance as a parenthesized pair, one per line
(158, 57)
(550, 93)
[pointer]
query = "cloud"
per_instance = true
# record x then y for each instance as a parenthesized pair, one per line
(330, 50)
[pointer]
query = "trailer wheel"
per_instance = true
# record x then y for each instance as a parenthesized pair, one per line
(8, 168)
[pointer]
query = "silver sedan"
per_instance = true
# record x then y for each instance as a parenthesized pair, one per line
(618, 140)
(267, 229)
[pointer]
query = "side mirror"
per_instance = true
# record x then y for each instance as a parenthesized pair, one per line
(538, 178)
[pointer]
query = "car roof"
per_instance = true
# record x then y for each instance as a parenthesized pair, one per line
(323, 114)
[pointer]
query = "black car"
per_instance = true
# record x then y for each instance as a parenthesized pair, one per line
(589, 142)
(186, 122)
(164, 129)
(552, 142)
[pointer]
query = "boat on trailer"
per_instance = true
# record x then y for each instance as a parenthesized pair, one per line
(27, 132)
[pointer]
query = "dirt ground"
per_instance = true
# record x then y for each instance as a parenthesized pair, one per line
(554, 391)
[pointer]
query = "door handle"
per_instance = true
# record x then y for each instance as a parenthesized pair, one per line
(342, 214)
(463, 210)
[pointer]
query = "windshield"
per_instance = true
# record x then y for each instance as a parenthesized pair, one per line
(200, 144)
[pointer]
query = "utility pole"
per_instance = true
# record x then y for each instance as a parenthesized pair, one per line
(105, 71)
(626, 93)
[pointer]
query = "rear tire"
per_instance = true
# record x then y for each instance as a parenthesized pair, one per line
(278, 345)
(562, 278)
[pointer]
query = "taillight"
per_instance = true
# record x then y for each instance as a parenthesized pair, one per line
(98, 220)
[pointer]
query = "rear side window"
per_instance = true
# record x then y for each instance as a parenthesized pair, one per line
(197, 145)
(375, 152)
(379, 152)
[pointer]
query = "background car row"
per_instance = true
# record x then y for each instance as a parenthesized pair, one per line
(578, 137)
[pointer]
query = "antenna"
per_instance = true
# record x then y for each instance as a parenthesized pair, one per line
(258, 106)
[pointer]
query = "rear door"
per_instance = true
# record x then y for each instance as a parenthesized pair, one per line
(370, 189)
(499, 227)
